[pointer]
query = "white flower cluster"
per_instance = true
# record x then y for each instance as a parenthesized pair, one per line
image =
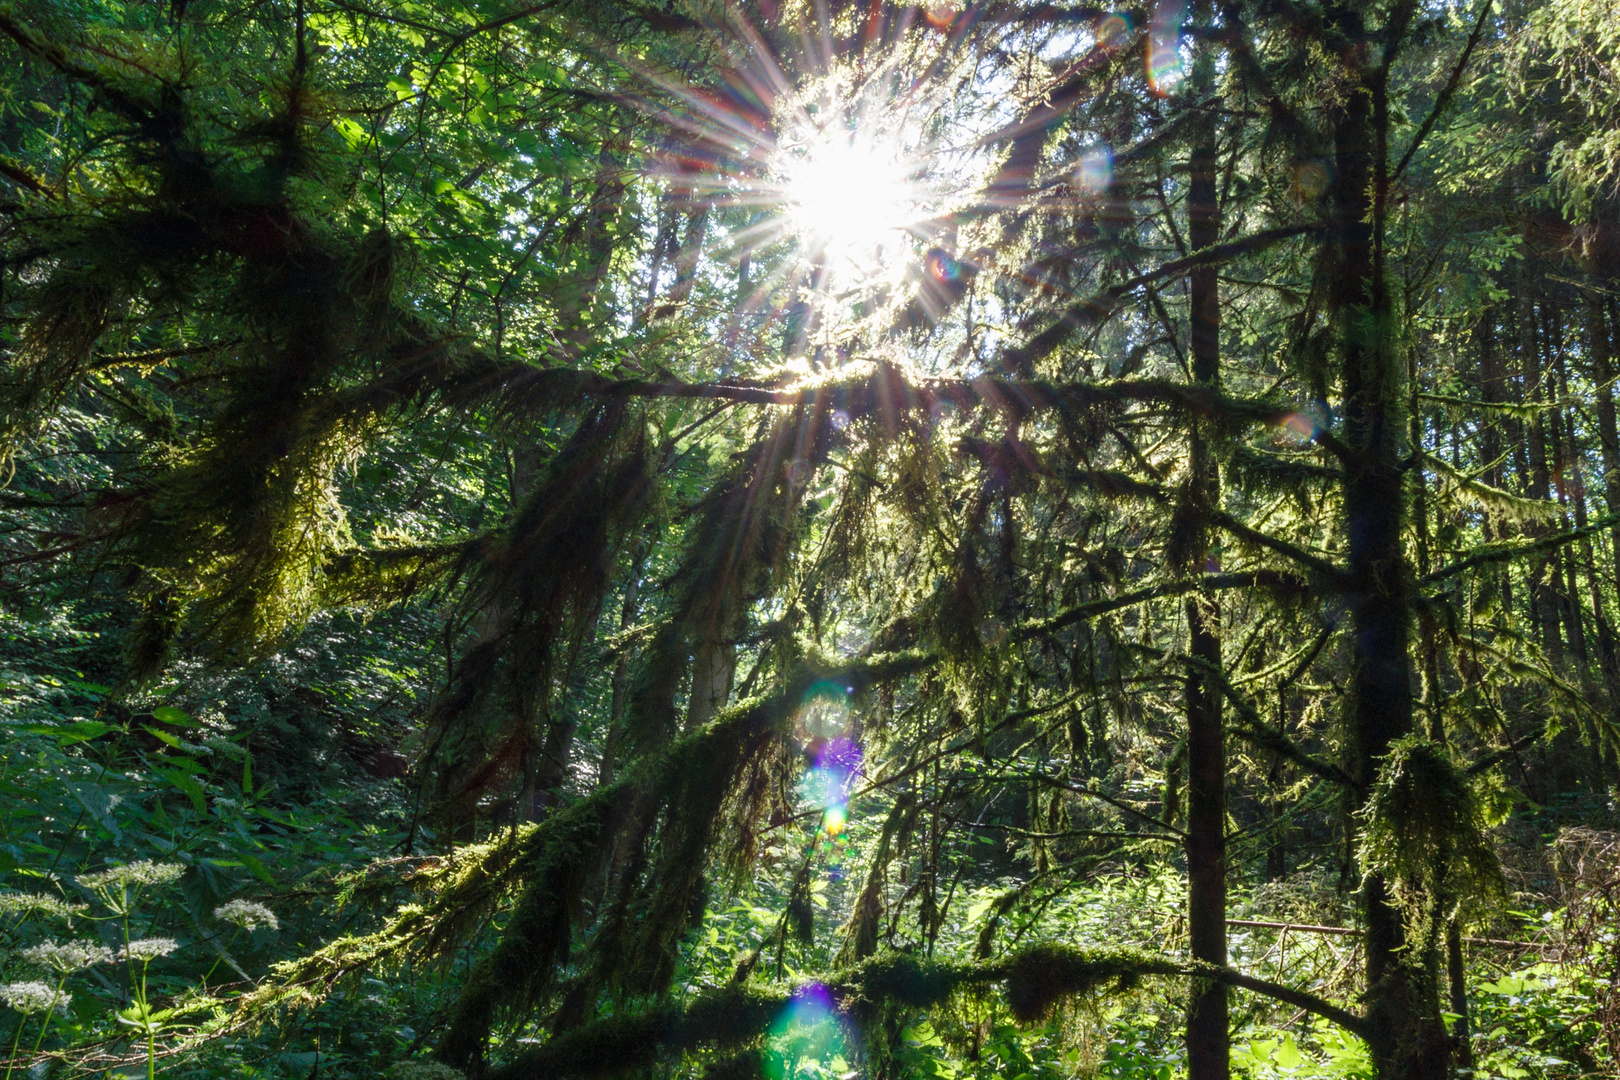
(33, 997)
(148, 949)
(247, 914)
(145, 872)
(67, 956)
(20, 903)
(426, 1070)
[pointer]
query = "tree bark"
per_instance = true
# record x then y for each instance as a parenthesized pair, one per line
(1597, 338)
(1461, 1035)
(1543, 593)
(1208, 1042)
(712, 671)
(1407, 1036)
(619, 703)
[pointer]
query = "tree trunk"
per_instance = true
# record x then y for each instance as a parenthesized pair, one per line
(1208, 1044)
(1461, 1036)
(1597, 337)
(1597, 341)
(1406, 1034)
(1494, 390)
(620, 701)
(580, 296)
(712, 672)
(1537, 387)
(1570, 482)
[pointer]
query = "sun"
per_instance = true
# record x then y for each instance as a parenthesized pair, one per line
(851, 196)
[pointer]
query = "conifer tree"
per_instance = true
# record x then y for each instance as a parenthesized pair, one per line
(983, 508)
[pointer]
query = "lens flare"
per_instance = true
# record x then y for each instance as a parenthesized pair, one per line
(1165, 68)
(827, 782)
(1096, 171)
(992, 631)
(823, 726)
(823, 713)
(942, 266)
(1114, 31)
(1311, 179)
(941, 16)
(1301, 428)
(809, 1032)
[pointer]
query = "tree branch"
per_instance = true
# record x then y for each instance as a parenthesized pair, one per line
(1021, 359)
(1091, 609)
(1301, 999)
(1315, 563)
(1259, 734)
(1505, 552)
(1444, 99)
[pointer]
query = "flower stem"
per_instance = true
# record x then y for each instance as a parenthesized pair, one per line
(129, 961)
(151, 1036)
(50, 1012)
(220, 959)
(11, 1058)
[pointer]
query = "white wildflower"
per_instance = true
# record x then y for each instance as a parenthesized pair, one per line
(426, 1070)
(67, 956)
(145, 872)
(19, 903)
(33, 997)
(148, 949)
(247, 914)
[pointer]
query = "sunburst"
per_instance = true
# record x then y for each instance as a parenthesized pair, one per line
(852, 197)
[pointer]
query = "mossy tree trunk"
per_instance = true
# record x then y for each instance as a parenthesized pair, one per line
(1208, 1043)
(1597, 338)
(1407, 1036)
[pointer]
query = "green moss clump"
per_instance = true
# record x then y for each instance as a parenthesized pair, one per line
(1040, 977)
(1425, 831)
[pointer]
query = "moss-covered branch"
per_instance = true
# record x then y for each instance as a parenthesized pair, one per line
(879, 390)
(1495, 553)
(737, 1017)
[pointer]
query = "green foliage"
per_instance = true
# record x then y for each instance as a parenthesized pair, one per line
(457, 499)
(1426, 832)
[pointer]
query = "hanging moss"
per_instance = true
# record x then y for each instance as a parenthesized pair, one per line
(739, 1016)
(460, 892)
(537, 939)
(861, 931)
(1424, 830)
(729, 1017)
(535, 590)
(374, 578)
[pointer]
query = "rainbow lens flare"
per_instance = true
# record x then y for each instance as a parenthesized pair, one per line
(942, 267)
(1301, 428)
(809, 1037)
(1165, 68)
(826, 783)
(1114, 32)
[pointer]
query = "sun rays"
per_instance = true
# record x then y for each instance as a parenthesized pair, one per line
(851, 197)
(846, 172)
